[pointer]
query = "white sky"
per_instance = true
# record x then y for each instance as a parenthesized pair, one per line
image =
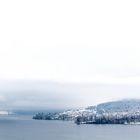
(77, 41)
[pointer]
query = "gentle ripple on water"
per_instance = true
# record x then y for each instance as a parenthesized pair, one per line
(12, 128)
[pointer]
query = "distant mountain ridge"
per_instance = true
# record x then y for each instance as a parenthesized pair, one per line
(115, 112)
(119, 106)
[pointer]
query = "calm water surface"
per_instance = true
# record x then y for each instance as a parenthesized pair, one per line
(21, 128)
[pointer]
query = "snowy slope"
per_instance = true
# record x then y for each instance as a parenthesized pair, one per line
(119, 106)
(120, 112)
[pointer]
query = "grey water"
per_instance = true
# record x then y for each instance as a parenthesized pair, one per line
(24, 128)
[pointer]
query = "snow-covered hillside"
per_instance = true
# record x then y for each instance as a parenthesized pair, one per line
(125, 111)
(119, 106)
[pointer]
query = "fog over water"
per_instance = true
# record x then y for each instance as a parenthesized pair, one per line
(20, 94)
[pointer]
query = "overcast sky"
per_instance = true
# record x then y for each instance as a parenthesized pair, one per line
(68, 53)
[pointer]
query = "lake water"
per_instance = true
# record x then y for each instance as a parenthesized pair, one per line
(24, 128)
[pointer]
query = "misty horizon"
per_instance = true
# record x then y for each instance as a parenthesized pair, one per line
(67, 64)
(46, 95)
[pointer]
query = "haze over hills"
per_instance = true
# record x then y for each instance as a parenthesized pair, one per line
(42, 95)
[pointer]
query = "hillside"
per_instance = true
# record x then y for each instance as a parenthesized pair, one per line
(117, 112)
